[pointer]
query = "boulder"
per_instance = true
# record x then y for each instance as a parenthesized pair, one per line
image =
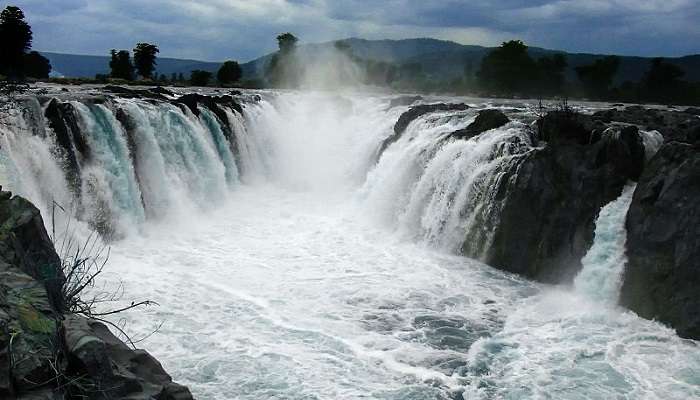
(403, 101)
(127, 93)
(193, 100)
(542, 219)
(30, 297)
(40, 341)
(486, 120)
(673, 125)
(414, 113)
(662, 277)
(62, 120)
(568, 127)
(25, 245)
(115, 370)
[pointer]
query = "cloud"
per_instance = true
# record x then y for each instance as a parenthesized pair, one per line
(245, 29)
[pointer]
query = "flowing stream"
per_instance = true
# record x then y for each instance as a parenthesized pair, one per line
(300, 266)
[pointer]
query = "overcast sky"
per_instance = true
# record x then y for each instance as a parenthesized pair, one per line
(245, 29)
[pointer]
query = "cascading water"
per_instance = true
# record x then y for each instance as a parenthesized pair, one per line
(285, 264)
(439, 189)
(604, 263)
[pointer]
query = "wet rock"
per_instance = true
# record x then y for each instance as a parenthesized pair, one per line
(127, 93)
(542, 221)
(692, 111)
(568, 127)
(486, 120)
(418, 111)
(673, 125)
(62, 120)
(30, 294)
(624, 149)
(662, 276)
(414, 113)
(116, 370)
(25, 245)
(40, 340)
(193, 100)
(161, 90)
(404, 101)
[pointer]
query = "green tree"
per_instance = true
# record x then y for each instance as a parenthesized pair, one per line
(287, 42)
(181, 77)
(662, 82)
(145, 59)
(508, 69)
(121, 65)
(550, 74)
(283, 69)
(200, 78)
(597, 78)
(173, 77)
(15, 41)
(229, 72)
(36, 65)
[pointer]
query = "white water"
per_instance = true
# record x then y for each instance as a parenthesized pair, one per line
(306, 281)
(604, 264)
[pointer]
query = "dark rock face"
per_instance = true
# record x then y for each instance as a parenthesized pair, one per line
(117, 371)
(38, 336)
(62, 120)
(404, 101)
(30, 287)
(673, 125)
(192, 100)
(25, 245)
(215, 104)
(486, 120)
(154, 93)
(567, 127)
(548, 202)
(414, 113)
(662, 277)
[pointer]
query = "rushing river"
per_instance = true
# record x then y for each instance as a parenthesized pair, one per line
(304, 265)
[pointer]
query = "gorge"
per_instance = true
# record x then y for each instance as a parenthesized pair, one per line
(316, 245)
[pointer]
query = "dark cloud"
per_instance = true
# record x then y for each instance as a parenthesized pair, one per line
(245, 29)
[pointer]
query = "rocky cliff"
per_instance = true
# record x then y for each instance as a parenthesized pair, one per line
(45, 351)
(662, 278)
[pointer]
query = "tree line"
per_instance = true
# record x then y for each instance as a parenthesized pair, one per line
(144, 66)
(509, 70)
(17, 61)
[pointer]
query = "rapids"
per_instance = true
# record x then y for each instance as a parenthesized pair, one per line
(301, 267)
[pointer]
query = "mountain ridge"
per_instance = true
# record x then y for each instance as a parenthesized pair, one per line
(440, 59)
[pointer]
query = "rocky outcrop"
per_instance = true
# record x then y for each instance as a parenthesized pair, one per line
(62, 120)
(403, 101)
(45, 351)
(662, 277)
(414, 113)
(486, 120)
(115, 370)
(673, 125)
(193, 100)
(547, 203)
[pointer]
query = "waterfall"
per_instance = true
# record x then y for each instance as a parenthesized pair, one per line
(604, 264)
(441, 190)
(132, 159)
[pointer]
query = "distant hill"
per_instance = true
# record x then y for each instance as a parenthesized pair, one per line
(80, 66)
(445, 60)
(441, 60)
